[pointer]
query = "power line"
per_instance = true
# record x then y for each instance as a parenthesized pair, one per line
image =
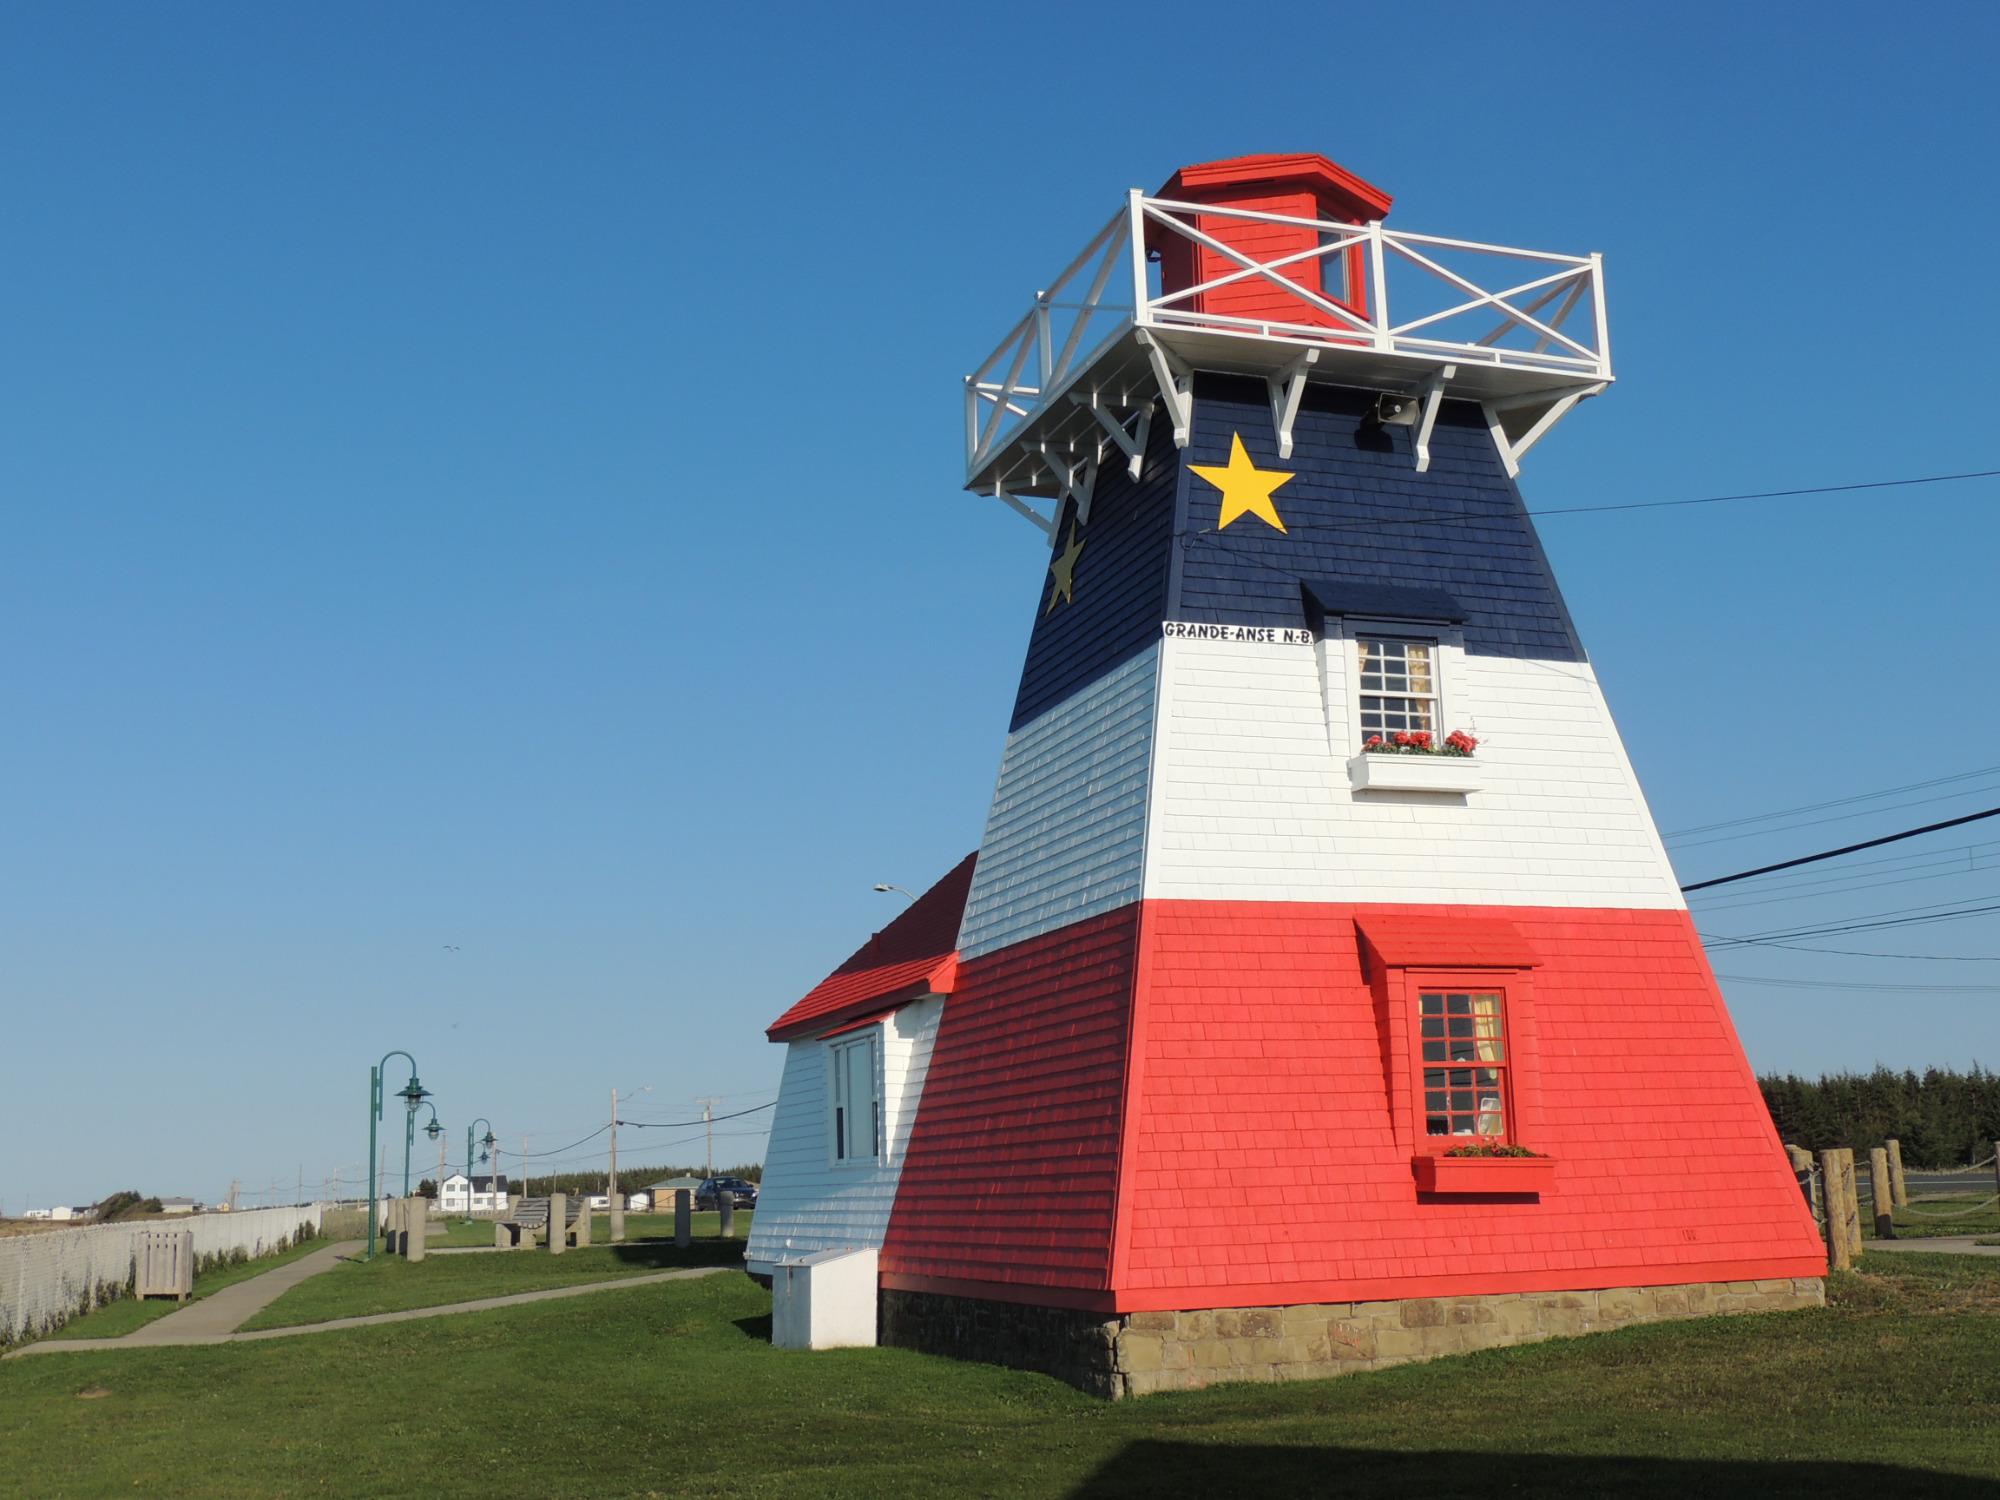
(683, 1124)
(1849, 886)
(1914, 786)
(1865, 812)
(1807, 859)
(1424, 517)
(1884, 987)
(1835, 929)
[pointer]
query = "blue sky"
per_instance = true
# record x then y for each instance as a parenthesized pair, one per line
(489, 477)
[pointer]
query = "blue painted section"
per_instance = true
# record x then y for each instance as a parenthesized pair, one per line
(1121, 580)
(1358, 514)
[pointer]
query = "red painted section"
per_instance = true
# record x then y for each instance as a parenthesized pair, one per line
(911, 957)
(1011, 1174)
(1301, 185)
(1275, 1129)
(1211, 1104)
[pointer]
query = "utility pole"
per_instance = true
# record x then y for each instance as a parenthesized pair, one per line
(708, 1129)
(524, 1164)
(612, 1200)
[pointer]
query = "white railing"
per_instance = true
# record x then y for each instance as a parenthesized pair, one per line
(1425, 302)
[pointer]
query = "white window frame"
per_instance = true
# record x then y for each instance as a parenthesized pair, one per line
(1447, 644)
(837, 1050)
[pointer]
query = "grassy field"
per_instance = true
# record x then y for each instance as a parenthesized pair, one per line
(115, 1319)
(673, 1389)
(389, 1284)
(1935, 1216)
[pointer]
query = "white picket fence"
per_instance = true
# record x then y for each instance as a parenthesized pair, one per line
(47, 1279)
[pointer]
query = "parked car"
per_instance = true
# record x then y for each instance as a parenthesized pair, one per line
(741, 1194)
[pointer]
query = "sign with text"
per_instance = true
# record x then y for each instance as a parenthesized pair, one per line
(1257, 635)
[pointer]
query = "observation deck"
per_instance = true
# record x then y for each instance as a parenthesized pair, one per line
(1170, 286)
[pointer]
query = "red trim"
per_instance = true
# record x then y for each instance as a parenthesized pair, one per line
(1520, 1086)
(1497, 1175)
(1394, 1289)
(1311, 1293)
(999, 1291)
(1201, 181)
(914, 955)
(1437, 942)
(860, 1023)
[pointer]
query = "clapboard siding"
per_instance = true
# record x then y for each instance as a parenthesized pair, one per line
(1065, 838)
(806, 1202)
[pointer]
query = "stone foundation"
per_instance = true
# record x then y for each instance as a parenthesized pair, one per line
(1137, 1353)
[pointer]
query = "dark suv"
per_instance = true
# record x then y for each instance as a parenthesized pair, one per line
(741, 1194)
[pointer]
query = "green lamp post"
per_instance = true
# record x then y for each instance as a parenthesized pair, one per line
(487, 1142)
(412, 1094)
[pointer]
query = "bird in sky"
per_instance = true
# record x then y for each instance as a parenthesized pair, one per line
(451, 947)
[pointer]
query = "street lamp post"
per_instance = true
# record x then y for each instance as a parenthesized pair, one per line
(412, 1094)
(435, 1130)
(488, 1141)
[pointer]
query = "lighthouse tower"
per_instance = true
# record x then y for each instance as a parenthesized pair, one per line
(1322, 994)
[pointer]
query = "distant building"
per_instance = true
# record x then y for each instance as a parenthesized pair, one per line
(459, 1194)
(178, 1205)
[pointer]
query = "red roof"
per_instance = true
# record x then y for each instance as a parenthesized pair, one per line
(1446, 942)
(914, 955)
(1217, 181)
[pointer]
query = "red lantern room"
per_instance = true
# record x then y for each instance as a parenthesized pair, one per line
(1298, 186)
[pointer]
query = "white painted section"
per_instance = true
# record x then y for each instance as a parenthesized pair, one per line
(1252, 801)
(1065, 838)
(824, 1301)
(809, 1202)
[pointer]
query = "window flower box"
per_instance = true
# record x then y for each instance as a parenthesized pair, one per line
(1375, 772)
(1518, 1175)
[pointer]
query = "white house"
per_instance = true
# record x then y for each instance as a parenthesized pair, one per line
(459, 1194)
(857, 1049)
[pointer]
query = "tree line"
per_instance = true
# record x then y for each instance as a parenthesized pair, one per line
(1943, 1118)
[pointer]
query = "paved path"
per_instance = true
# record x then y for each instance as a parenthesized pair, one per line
(234, 1306)
(1940, 1244)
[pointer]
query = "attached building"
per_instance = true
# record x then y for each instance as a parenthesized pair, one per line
(858, 1047)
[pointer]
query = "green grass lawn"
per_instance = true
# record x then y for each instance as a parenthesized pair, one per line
(127, 1314)
(673, 1389)
(390, 1284)
(1935, 1216)
(637, 1227)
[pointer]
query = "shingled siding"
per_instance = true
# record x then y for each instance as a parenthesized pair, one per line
(1356, 511)
(1264, 1102)
(808, 1203)
(1065, 837)
(1121, 580)
(1251, 796)
(1012, 1169)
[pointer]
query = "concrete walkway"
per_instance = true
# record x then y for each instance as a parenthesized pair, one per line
(1940, 1244)
(214, 1320)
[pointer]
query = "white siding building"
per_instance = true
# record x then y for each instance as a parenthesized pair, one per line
(858, 1047)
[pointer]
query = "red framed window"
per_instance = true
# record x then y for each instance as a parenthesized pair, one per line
(1462, 1068)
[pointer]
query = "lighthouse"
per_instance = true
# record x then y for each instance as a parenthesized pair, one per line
(1321, 995)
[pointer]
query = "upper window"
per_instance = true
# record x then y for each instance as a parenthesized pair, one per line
(857, 1106)
(1462, 1035)
(1399, 692)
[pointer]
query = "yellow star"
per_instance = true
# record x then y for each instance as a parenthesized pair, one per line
(1063, 570)
(1246, 489)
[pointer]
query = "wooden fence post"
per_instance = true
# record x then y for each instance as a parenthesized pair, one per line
(1882, 1189)
(1838, 1256)
(1996, 1166)
(1896, 1182)
(1850, 1186)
